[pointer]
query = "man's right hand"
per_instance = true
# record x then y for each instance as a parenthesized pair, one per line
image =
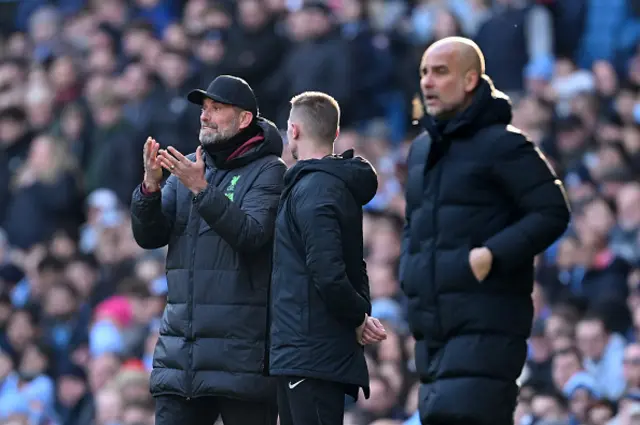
(152, 168)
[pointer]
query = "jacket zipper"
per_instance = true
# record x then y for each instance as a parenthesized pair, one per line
(195, 223)
(190, 373)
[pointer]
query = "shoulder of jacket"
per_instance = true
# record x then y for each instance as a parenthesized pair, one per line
(264, 163)
(271, 161)
(419, 148)
(512, 136)
(318, 184)
(513, 130)
(421, 138)
(320, 180)
(509, 140)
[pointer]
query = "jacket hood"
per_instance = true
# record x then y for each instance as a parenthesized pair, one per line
(490, 106)
(356, 172)
(272, 144)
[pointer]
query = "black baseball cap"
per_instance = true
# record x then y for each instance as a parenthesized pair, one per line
(229, 90)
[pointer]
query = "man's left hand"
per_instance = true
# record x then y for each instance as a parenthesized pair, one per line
(190, 173)
(373, 331)
(480, 260)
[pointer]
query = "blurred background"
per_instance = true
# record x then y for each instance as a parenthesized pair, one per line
(83, 83)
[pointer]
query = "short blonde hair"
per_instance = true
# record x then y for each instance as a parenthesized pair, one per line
(319, 114)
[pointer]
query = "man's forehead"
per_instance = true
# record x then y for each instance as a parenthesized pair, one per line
(445, 54)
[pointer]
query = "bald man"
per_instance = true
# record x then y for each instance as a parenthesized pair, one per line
(481, 203)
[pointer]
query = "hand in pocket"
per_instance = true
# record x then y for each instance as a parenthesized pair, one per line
(480, 261)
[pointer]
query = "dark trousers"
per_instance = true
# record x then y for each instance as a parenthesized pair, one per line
(310, 402)
(175, 410)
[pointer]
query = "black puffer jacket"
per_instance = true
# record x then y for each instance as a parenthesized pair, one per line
(213, 333)
(484, 184)
(320, 289)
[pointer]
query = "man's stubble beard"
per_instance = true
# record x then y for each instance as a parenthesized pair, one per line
(215, 137)
(442, 113)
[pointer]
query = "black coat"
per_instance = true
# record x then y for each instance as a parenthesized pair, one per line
(213, 332)
(486, 185)
(320, 289)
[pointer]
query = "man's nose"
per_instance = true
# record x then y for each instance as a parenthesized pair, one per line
(426, 81)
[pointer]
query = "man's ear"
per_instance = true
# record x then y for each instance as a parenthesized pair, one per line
(245, 119)
(471, 80)
(295, 131)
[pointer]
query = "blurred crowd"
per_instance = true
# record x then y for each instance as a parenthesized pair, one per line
(83, 83)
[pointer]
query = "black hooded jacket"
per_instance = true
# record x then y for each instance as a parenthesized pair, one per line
(475, 181)
(320, 288)
(213, 332)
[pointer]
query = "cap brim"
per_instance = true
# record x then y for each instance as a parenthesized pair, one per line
(198, 96)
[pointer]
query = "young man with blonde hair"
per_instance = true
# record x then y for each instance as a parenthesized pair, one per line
(320, 301)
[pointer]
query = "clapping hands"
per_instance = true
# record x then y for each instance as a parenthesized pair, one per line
(190, 173)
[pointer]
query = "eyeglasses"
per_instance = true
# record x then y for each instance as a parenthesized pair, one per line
(633, 361)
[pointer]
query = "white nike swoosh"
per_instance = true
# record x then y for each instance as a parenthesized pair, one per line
(292, 386)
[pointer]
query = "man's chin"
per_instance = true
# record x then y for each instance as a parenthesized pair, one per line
(441, 113)
(208, 139)
(434, 111)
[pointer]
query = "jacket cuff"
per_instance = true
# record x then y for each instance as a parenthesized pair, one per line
(146, 192)
(362, 310)
(198, 197)
(503, 255)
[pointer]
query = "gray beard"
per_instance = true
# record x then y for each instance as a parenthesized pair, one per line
(208, 139)
(212, 138)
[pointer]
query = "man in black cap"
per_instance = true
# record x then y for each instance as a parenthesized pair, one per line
(216, 212)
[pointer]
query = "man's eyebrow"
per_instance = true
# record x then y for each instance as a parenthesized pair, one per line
(438, 67)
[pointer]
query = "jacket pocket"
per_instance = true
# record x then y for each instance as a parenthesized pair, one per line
(467, 267)
(453, 270)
